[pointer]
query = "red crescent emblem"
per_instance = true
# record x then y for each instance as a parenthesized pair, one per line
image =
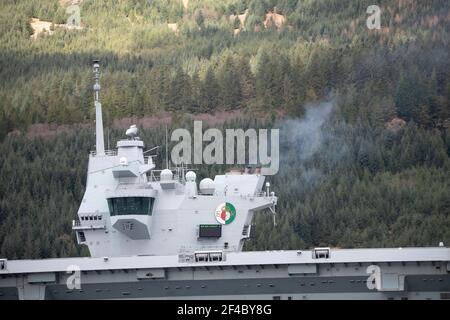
(223, 214)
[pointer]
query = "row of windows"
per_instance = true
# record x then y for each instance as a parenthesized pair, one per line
(91, 218)
(130, 205)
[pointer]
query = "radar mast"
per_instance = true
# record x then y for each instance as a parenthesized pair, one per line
(99, 139)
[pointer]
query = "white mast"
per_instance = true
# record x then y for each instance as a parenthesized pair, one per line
(99, 143)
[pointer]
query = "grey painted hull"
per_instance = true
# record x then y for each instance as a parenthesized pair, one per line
(436, 287)
(243, 288)
(410, 273)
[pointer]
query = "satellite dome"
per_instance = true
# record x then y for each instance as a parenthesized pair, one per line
(166, 175)
(207, 186)
(132, 131)
(191, 176)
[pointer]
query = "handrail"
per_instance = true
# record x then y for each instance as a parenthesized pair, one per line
(92, 224)
(76, 223)
(108, 153)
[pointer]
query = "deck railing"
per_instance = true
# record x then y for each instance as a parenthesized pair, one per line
(108, 153)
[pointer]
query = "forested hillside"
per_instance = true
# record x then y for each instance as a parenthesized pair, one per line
(377, 176)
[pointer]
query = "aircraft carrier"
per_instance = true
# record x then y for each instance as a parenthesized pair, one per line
(157, 234)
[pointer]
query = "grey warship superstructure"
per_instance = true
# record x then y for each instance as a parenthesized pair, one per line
(156, 234)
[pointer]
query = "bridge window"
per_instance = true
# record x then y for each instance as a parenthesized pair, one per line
(130, 205)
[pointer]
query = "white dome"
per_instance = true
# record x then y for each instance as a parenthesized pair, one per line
(207, 186)
(166, 174)
(132, 131)
(191, 176)
(207, 183)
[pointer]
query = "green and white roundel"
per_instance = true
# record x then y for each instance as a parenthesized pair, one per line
(225, 213)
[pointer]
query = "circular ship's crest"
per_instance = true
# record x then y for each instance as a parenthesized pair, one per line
(225, 213)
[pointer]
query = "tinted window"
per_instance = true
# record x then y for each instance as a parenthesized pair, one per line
(130, 205)
(210, 230)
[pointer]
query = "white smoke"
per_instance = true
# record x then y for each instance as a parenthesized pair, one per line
(306, 134)
(305, 141)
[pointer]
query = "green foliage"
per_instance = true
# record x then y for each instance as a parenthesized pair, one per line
(199, 19)
(326, 52)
